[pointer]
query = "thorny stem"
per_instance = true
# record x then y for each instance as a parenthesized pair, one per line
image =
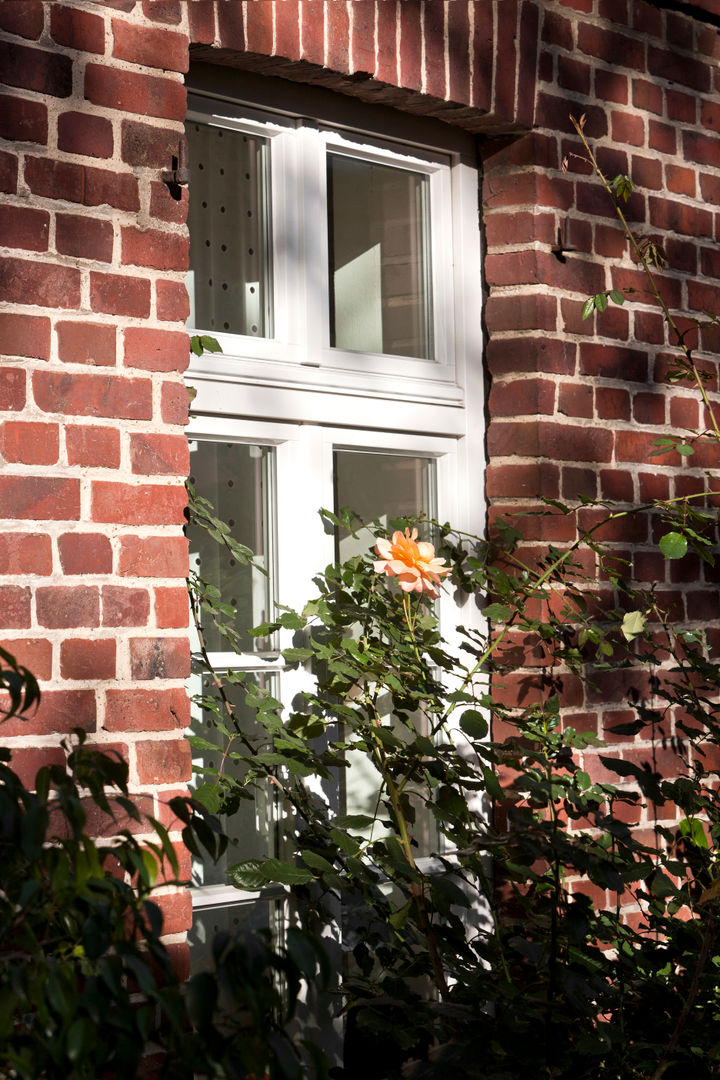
(643, 260)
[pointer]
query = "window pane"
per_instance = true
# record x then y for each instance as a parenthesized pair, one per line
(379, 273)
(385, 486)
(250, 828)
(229, 279)
(235, 478)
(256, 915)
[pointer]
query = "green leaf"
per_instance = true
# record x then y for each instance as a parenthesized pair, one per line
(294, 656)
(616, 296)
(210, 344)
(673, 545)
(588, 307)
(684, 450)
(601, 301)
(354, 821)
(633, 624)
(473, 724)
(284, 873)
(497, 612)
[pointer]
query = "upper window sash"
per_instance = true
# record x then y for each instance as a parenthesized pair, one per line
(299, 349)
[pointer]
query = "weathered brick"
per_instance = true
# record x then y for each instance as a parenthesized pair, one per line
(154, 248)
(85, 553)
(14, 607)
(156, 350)
(33, 653)
(59, 712)
(77, 29)
(23, 19)
(93, 395)
(25, 553)
(25, 281)
(87, 658)
(138, 504)
(86, 343)
(24, 335)
(8, 172)
(40, 497)
(160, 48)
(155, 454)
(60, 607)
(133, 709)
(23, 120)
(83, 133)
(164, 762)
(160, 658)
(84, 184)
(12, 389)
(28, 760)
(122, 606)
(36, 69)
(30, 442)
(613, 362)
(674, 67)
(172, 610)
(147, 146)
(116, 294)
(84, 237)
(175, 403)
(147, 95)
(172, 302)
(165, 206)
(90, 444)
(154, 556)
(201, 16)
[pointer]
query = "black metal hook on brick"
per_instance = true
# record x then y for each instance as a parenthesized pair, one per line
(179, 176)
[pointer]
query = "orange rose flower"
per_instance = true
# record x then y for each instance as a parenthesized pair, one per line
(411, 561)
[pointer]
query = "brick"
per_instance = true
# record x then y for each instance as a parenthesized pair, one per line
(679, 180)
(626, 128)
(30, 442)
(172, 610)
(14, 607)
(87, 658)
(646, 172)
(504, 88)
(84, 237)
(82, 133)
(508, 355)
(93, 395)
(562, 442)
(41, 498)
(165, 207)
(287, 29)
(138, 504)
(86, 343)
(84, 184)
(575, 399)
(710, 115)
(160, 48)
(23, 120)
(680, 106)
(557, 30)
(710, 188)
(684, 413)
(155, 248)
(410, 48)
(25, 553)
(638, 445)
(117, 294)
(23, 19)
(8, 171)
(649, 408)
(573, 74)
(25, 335)
(172, 302)
(616, 484)
(533, 267)
(85, 553)
(705, 149)
(28, 760)
(149, 147)
(12, 389)
(45, 284)
(362, 39)
(174, 403)
(122, 606)
(77, 29)
(523, 481)
(159, 658)
(525, 396)
(678, 69)
(154, 556)
(616, 49)
(35, 69)
(612, 404)
(613, 362)
(635, 281)
(60, 607)
(661, 137)
(535, 311)
(259, 29)
(90, 444)
(386, 52)
(164, 762)
(176, 908)
(154, 454)
(650, 327)
(146, 710)
(156, 350)
(680, 218)
(132, 92)
(33, 653)
(59, 712)
(647, 96)
(164, 11)
(710, 262)
(612, 86)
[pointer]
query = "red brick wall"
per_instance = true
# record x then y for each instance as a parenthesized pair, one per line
(92, 305)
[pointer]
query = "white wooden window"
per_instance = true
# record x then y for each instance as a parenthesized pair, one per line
(338, 266)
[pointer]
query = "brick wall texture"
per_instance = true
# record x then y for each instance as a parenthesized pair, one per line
(93, 249)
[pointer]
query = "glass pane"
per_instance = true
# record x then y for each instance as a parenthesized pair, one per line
(229, 279)
(385, 486)
(235, 478)
(250, 828)
(208, 921)
(379, 269)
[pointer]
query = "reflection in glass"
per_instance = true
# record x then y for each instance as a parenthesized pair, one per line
(254, 916)
(378, 224)
(235, 477)
(228, 219)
